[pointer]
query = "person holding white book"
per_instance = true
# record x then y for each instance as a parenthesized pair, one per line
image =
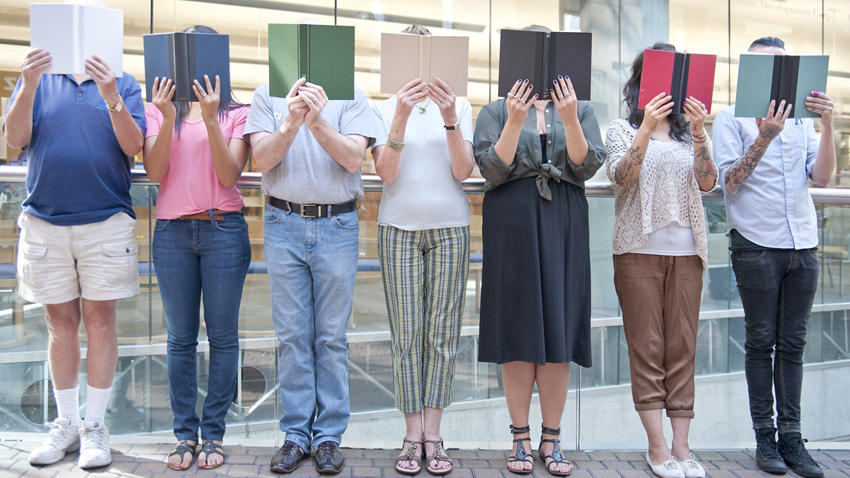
(77, 252)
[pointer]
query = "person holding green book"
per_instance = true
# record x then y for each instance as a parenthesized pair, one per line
(423, 150)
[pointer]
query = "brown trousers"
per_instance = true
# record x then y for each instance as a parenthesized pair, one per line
(660, 297)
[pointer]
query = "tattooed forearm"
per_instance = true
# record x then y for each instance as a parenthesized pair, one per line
(706, 171)
(744, 166)
(629, 169)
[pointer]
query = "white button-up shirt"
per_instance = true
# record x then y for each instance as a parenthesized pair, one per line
(773, 208)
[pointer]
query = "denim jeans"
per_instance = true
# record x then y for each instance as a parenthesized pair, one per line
(312, 264)
(191, 257)
(777, 290)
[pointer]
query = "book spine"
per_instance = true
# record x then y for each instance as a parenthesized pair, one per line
(679, 82)
(78, 21)
(179, 62)
(425, 58)
(792, 74)
(776, 81)
(304, 52)
(192, 63)
(545, 70)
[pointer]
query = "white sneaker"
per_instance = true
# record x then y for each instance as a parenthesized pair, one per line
(668, 469)
(62, 438)
(692, 468)
(94, 445)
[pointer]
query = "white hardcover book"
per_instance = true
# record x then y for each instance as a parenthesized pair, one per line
(74, 33)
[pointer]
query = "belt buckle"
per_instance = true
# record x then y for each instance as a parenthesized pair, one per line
(307, 215)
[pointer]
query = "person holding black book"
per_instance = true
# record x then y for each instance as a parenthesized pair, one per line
(195, 151)
(423, 150)
(658, 163)
(765, 165)
(535, 302)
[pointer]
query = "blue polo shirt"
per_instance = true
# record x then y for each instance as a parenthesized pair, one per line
(77, 172)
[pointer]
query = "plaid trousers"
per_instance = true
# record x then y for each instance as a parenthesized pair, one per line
(424, 275)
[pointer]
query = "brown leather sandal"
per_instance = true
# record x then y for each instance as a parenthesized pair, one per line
(410, 455)
(438, 455)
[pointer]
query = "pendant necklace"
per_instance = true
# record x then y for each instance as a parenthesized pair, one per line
(422, 107)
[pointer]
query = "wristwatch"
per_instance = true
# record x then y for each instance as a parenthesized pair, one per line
(452, 127)
(118, 107)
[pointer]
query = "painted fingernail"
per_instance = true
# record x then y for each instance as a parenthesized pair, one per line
(530, 87)
(552, 92)
(567, 77)
(554, 82)
(535, 95)
(526, 80)
(561, 77)
(815, 94)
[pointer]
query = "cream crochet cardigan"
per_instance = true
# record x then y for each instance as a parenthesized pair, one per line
(666, 191)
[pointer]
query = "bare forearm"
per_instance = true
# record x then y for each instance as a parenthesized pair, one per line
(128, 133)
(506, 145)
(388, 160)
(460, 153)
(744, 166)
(269, 151)
(158, 155)
(628, 170)
(704, 168)
(343, 150)
(577, 147)
(226, 167)
(19, 118)
(824, 168)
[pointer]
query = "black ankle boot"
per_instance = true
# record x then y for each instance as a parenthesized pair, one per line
(793, 451)
(767, 456)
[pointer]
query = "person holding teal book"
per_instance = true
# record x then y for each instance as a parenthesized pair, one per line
(765, 165)
(423, 150)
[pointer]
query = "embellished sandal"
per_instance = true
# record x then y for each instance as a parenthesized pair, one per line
(180, 450)
(410, 455)
(556, 456)
(521, 455)
(208, 448)
(438, 455)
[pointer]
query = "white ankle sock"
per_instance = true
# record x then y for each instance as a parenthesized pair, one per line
(68, 404)
(97, 399)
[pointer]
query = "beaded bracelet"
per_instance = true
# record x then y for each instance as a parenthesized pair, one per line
(396, 145)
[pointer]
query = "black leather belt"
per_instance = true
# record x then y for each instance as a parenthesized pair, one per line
(314, 210)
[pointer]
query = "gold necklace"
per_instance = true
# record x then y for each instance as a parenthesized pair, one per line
(422, 108)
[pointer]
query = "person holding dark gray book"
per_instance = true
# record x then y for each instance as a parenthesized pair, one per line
(535, 300)
(658, 162)
(201, 249)
(765, 165)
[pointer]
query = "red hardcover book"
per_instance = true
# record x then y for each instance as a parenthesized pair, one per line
(680, 75)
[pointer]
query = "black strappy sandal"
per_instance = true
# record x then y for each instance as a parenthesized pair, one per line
(180, 450)
(520, 455)
(209, 447)
(556, 456)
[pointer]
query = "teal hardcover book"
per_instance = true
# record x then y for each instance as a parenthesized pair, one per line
(324, 54)
(762, 78)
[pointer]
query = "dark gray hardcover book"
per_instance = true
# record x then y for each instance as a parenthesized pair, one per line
(185, 57)
(541, 57)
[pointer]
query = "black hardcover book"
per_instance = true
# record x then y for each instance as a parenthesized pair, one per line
(185, 57)
(541, 57)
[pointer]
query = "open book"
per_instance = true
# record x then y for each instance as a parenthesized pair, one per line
(541, 57)
(405, 56)
(762, 78)
(74, 33)
(185, 57)
(680, 75)
(324, 54)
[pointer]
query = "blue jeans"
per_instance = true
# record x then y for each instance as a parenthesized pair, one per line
(777, 290)
(312, 265)
(191, 256)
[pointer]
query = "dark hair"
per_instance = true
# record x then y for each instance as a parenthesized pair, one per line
(679, 130)
(537, 28)
(183, 107)
(767, 42)
(417, 29)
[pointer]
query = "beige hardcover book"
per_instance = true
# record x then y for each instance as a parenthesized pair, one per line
(405, 56)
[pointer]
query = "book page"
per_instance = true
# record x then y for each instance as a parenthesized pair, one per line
(400, 55)
(449, 60)
(53, 28)
(103, 35)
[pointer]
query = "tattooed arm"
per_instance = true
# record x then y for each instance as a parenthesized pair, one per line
(628, 171)
(704, 168)
(769, 129)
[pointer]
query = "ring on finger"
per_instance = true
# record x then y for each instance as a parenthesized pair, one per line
(511, 95)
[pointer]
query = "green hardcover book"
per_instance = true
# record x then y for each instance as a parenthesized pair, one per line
(324, 54)
(762, 78)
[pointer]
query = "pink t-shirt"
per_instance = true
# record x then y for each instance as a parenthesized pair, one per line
(191, 185)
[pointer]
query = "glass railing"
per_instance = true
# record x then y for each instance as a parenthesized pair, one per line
(599, 410)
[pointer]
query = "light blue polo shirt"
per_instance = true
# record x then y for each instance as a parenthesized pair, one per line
(77, 172)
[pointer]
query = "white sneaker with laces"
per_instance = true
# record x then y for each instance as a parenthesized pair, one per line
(668, 469)
(692, 468)
(62, 438)
(94, 445)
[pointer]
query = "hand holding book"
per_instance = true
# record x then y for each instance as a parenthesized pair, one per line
(656, 110)
(442, 95)
(821, 104)
(413, 92)
(104, 77)
(162, 92)
(564, 96)
(315, 98)
(772, 124)
(298, 108)
(517, 101)
(208, 98)
(35, 63)
(696, 112)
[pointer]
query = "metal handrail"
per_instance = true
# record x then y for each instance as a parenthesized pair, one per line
(373, 183)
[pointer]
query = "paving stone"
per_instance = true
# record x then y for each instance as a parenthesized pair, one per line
(44, 473)
(589, 465)
(728, 465)
(487, 454)
(574, 474)
(487, 473)
(380, 453)
(605, 473)
(737, 456)
(636, 473)
(708, 456)
(836, 473)
(77, 473)
(473, 463)
(576, 456)
(243, 470)
(720, 474)
(617, 465)
(843, 455)
(151, 468)
(629, 456)
(749, 473)
(601, 455)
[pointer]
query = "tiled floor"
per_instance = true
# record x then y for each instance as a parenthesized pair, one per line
(147, 461)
